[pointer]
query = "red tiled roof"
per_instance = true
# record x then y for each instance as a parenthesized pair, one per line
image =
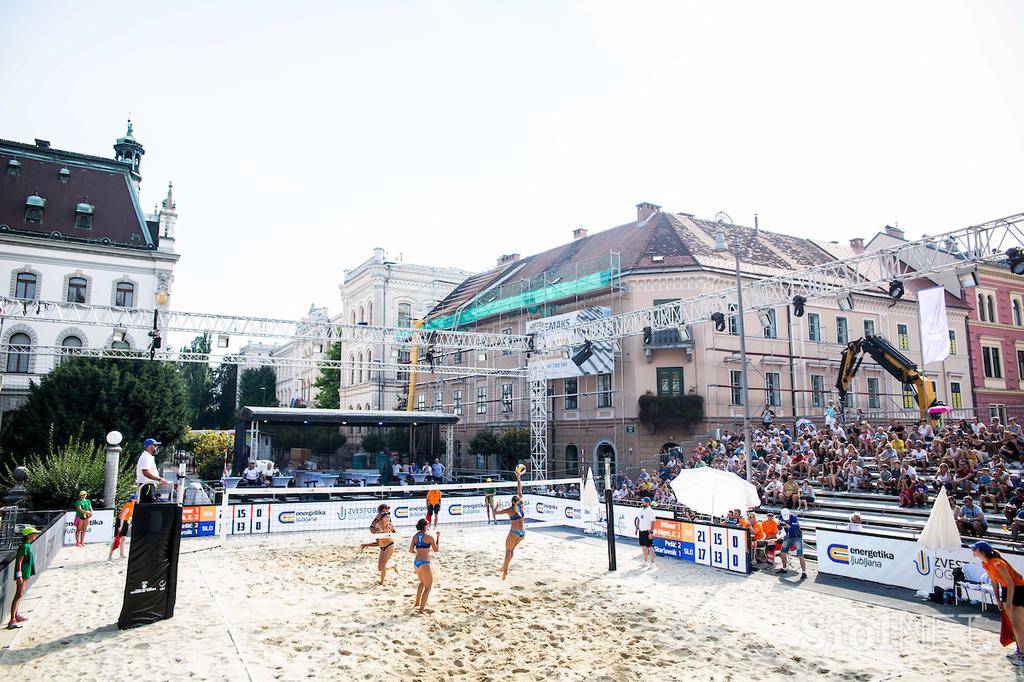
(103, 183)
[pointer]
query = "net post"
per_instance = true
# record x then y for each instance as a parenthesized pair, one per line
(224, 515)
(609, 514)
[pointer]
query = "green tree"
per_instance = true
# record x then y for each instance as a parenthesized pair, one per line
(372, 443)
(198, 385)
(485, 442)
(257, 387)
(225, 395)
(209, 449)
(328, 383)
(90, 397)
(513, 445)
(55, 477)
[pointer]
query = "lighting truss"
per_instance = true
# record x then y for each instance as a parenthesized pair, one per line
(258, 361)
(80, 314)
(866, 272)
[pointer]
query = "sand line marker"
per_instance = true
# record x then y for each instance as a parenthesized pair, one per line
(227, 624)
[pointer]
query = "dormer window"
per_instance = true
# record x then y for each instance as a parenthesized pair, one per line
(13, 167)
(34, 206)
(83, 216)
(63, 176)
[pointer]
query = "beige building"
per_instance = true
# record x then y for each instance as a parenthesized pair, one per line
(659, 257)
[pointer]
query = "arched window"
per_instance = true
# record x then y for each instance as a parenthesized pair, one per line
(353, 317)
(360, 373)
(351, 370)
(1018, 320)
(76, 289)
(124, 295)
(25, 285)
(369, 313)
(362, 315)
(572, 460)
(404, 315)
(69, 346)
(991, 308)
(981, 307)
(18, 353)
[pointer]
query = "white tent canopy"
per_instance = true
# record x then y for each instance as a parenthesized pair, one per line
(713, 491)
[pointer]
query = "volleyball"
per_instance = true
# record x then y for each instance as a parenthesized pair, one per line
(521, 469)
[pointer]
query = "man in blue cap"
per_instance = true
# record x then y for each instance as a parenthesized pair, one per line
(645, 526)
(146, 473)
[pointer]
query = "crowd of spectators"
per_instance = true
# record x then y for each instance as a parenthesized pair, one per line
(977, 463)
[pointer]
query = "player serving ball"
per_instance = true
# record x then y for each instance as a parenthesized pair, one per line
(382, 524)
(516, 515)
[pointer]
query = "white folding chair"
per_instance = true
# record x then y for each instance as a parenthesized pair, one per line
(976, 586)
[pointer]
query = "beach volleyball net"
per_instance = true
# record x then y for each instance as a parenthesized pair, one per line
(270, 513)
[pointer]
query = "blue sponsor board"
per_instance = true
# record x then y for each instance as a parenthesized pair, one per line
(670, 548)
(195, 529)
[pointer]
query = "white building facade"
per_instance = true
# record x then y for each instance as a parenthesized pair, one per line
(296, 376)
(385, 292)
(72, 229)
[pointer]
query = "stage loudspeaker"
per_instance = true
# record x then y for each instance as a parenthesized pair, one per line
(151, 583)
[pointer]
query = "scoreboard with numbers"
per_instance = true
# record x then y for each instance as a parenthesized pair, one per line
(718, 546)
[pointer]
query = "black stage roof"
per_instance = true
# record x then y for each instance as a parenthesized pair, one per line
(300, 415)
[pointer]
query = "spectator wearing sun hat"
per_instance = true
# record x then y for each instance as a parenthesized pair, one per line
(146, 473)
(24, 568)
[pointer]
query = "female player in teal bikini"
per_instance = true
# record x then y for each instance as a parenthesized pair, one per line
(421, 546)
(516, 515)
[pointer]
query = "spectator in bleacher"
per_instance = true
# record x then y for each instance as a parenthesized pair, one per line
(790, 492)
(854, 476)
(807, 495)
(1014, 504)
(855, 523)
(887, 482)
(773, 491)
(963, 478)
(925, 431)
(1016, 525)
(976, 426)
(971, 519)
(987, 497)
(830, 414)
(943, 479)
(919, 492)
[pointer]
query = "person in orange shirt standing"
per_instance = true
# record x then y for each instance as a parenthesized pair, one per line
(433, 506)
(124, 523)
(1009, 592)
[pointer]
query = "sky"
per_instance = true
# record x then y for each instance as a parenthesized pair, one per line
(300, 135)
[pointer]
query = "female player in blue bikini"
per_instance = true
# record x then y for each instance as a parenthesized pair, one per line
(516, 515)
(421, 546)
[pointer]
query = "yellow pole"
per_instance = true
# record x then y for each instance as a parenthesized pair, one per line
(413, 359)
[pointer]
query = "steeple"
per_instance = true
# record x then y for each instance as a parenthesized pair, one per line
(168, 216)
(128, 150)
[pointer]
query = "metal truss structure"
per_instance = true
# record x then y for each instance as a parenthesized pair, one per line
(249, 327)
(538, 422)
(863, 273)
(257, 361)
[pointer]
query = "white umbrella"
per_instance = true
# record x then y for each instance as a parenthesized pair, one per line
(588, 496)
(940, 531)
(713, 491)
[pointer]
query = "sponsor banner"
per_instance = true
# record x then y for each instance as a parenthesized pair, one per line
(101, 527)
(286, 517)
(199, 521)
(717, 546)
(556, 509)
(571, 355)
(627, 519)
(893, 561)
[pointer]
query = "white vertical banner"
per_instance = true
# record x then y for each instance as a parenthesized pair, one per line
(931, 307)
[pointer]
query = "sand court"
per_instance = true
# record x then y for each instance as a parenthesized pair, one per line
(300, 609)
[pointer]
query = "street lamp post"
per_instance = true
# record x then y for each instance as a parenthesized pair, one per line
(738, 251)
